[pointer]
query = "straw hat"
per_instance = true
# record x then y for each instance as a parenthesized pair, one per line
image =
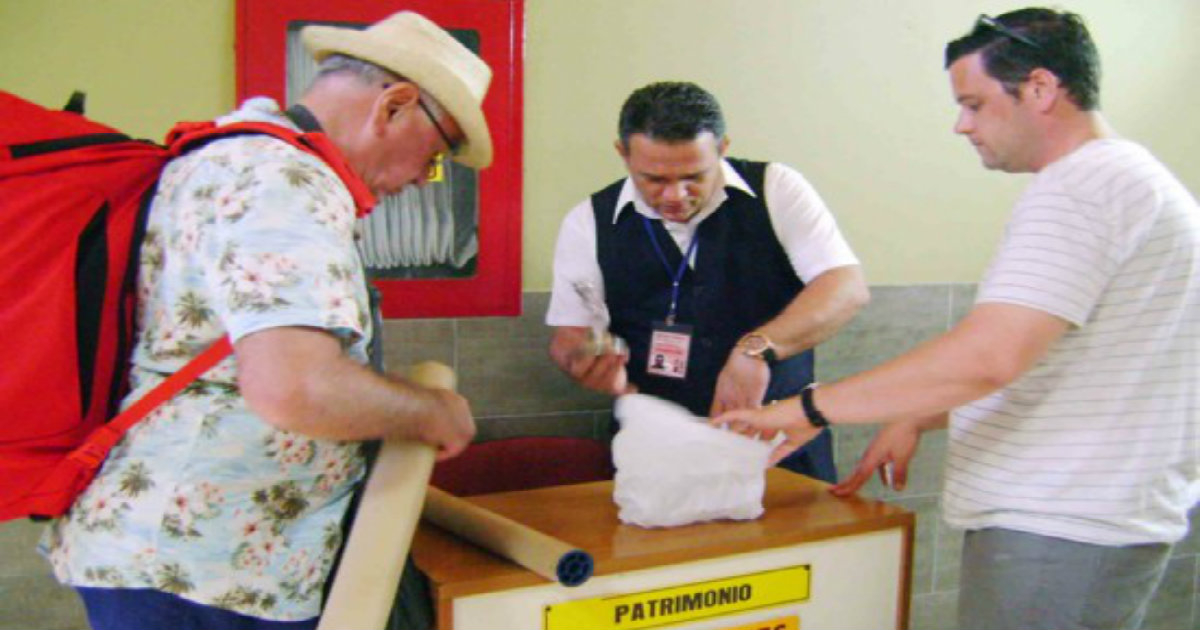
(408, 44)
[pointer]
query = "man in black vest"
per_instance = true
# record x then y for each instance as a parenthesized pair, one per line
(720, 275)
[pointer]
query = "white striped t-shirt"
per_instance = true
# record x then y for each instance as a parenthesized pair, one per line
(1098, 442)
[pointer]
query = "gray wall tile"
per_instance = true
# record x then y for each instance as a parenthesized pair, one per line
(1196, 598)
(926, 509)
(502, 363)
(504, 367)
(406, 342)
(528, 325)
(962, 299)
(30, 597)
(510, 377)
(947, 559)
(18, 541)
(896, 320)
(37, 601)
(1171, 607)
(1190, 545)
(934, 611)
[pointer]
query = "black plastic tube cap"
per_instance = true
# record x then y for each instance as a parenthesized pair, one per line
(574, 567)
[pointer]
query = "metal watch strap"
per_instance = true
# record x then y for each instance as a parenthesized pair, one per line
(767, 354)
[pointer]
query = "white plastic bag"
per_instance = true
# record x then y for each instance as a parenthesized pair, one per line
(674, 469)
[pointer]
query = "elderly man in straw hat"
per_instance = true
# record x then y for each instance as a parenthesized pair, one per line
(223, 508)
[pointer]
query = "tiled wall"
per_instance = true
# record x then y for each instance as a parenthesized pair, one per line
(514, 390)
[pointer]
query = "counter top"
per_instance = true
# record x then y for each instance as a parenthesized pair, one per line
(797, 510)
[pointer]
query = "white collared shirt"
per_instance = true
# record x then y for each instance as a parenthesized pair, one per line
(801, 220)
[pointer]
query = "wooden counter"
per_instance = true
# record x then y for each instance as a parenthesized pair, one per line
(803, 524)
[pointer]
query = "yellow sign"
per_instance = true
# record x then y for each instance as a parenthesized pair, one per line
(689, 602)
(437, 169)
(791, 622)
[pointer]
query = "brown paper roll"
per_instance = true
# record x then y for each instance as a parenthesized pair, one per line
(541, 553)
(387, 516)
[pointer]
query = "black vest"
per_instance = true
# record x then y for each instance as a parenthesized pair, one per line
(742, 279)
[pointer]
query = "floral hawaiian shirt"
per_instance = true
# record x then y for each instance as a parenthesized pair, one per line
(202, 498)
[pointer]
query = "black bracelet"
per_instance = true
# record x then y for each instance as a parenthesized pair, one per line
(815, 417)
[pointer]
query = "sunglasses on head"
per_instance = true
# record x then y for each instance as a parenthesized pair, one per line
(994, 25)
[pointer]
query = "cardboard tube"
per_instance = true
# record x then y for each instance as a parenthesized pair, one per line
(541, 553)
(373, 558)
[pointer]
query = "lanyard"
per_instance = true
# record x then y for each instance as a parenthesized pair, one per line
(677, 275)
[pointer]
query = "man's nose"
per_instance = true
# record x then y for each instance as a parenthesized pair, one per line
(963, 125)
(675, 191)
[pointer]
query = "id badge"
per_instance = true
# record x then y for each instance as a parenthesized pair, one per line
(669, 349)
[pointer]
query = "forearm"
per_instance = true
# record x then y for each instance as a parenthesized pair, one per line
(819, 311)
(993, 346)
(299, 380)
(936, 422)
(925, 382)
(352, 402)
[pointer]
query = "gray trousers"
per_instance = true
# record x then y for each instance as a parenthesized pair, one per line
(1013, 579)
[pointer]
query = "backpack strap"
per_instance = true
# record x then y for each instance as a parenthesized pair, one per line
(95, 448)
(187, 136)
(72, 475)
(42, 147)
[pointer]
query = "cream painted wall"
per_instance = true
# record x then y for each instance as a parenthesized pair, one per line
(849, 91)
(145, 64)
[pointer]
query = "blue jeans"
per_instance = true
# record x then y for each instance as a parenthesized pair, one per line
(135, 608)
(1012, 579)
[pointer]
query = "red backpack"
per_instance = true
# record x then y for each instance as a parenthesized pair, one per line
(74, 196)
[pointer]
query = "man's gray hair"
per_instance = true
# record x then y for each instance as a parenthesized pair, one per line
(370, 74)
(365, 71)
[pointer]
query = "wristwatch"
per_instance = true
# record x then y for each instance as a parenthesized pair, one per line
(814, 415)
(758, 346)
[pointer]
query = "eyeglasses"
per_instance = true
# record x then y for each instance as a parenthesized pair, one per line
(989, 22)
(451, 146)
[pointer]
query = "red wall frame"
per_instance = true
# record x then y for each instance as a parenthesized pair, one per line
(496, 287)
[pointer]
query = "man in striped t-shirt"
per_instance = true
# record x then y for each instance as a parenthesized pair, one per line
(1073, 453)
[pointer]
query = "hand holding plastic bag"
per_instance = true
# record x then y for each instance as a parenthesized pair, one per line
(673, 468)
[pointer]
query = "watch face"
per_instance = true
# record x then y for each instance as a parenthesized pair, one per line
(755, 345)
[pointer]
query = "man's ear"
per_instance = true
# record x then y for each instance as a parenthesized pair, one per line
(622, 150)
(1044, 87)
(393, 101)
(723, 146)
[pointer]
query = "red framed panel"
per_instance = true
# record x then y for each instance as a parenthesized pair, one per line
(495, 289)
